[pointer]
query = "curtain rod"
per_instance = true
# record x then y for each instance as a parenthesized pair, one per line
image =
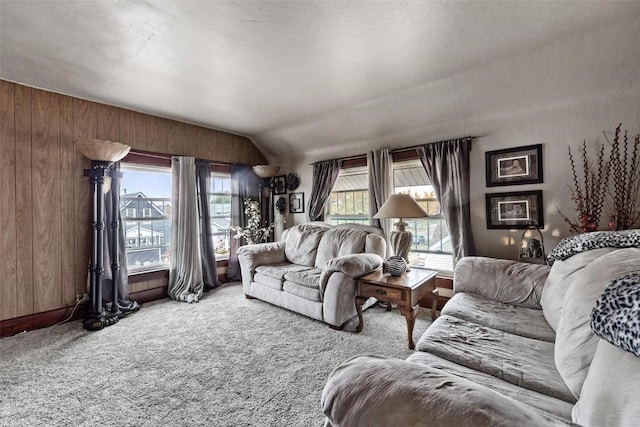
(397, 150)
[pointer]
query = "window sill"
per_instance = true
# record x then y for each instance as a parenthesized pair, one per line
(163, 272)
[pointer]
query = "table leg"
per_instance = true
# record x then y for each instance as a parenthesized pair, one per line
(410, 314)
(359, 302)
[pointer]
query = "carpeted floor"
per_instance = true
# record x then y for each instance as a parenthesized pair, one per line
(226, 361)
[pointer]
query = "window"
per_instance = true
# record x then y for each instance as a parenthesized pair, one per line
(220, 211)
(431, 242)
(146, 190)
(349, 200)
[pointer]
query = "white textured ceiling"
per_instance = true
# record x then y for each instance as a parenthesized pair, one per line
(319, 79)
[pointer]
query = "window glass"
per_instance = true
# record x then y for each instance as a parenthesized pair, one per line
(349, 200)
(145, 206)
(431, 241)
(220, 211)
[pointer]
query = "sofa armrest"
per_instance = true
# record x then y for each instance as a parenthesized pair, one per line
(378, 391)
(354, 265)
(502, 280)
(251, 256)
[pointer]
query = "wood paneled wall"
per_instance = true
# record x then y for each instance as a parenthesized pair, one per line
(44, 197)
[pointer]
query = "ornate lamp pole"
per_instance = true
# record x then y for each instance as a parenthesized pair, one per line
(102, 155)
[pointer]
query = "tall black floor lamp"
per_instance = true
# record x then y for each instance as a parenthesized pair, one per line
(102, 178)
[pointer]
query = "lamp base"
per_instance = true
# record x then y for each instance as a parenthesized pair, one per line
(401, 242)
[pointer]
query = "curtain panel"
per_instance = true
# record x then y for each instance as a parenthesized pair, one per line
(207, 248)
(380, 168)
(112, 215)
(185, 274)
(325, 174)
(244, 184)
(447, 166)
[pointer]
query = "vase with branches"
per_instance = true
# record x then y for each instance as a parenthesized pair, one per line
(588, 191)
(625, 174)
(611, 181)
(255, 231)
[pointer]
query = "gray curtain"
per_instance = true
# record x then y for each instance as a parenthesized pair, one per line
(185, 274)
(380, 168)
(244, 184)
(325, 174)
(207, 249)
(447, 166)
(112, 213)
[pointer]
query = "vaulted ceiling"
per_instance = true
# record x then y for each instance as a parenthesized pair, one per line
(320, 79)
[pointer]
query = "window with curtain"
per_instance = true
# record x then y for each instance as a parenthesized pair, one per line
(349, 200)
(220, 210)
(431, 242)
(145, 206)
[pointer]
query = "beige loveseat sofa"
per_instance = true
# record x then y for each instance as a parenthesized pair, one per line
(515, 346)
(312, 269)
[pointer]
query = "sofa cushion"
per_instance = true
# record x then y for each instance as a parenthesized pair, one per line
(309, 278)
(558, 281)
(267, 281)
(528, 322)
(575, 342)
(537, 400)
(522, 361)
(301, 243)
(277, 271)
(610, 395)
(338, 242)
(303, 291)
(572, 245)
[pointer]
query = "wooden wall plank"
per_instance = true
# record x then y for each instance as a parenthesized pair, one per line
(138, 130)
(45, 139)
(67, 211)
(156, 134)
(125, 130)
(85, 123)
(24, 200)
(177, 138)
(8, 260)
(108, 123)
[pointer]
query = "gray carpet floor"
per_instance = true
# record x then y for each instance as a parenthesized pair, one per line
(225, 361)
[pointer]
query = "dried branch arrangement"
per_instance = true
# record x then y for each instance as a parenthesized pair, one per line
(616, 176)
(625, 173)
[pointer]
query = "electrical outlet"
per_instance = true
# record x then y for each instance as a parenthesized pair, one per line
(80, 298)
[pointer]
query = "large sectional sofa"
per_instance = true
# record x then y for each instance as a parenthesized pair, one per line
(312, 269)
(517, 345)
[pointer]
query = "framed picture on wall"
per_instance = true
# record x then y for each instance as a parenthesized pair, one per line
(296, 203)
(279, 184)
(514, 210)
(514, 166)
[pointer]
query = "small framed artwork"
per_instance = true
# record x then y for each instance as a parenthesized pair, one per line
(296, 203)
(514, 166)
(279, 184)
(515, 210)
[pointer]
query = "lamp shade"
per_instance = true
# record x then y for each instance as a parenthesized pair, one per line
(101, 150)
(401, 206)
(266, 171)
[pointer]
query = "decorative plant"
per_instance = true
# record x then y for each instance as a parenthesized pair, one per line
(625, 174)
(255, 232)
(590, 191)
(588, 196)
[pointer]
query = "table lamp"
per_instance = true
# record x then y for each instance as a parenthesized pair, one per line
(400, 206)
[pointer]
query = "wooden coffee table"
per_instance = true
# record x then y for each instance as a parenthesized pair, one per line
(405, 291)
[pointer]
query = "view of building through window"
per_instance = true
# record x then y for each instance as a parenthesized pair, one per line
(349, 200)
(145, 206)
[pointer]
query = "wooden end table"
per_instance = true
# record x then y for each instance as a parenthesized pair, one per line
(405, 291)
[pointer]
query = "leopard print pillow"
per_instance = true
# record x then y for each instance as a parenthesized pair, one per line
(572, 245)
(616, 316)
